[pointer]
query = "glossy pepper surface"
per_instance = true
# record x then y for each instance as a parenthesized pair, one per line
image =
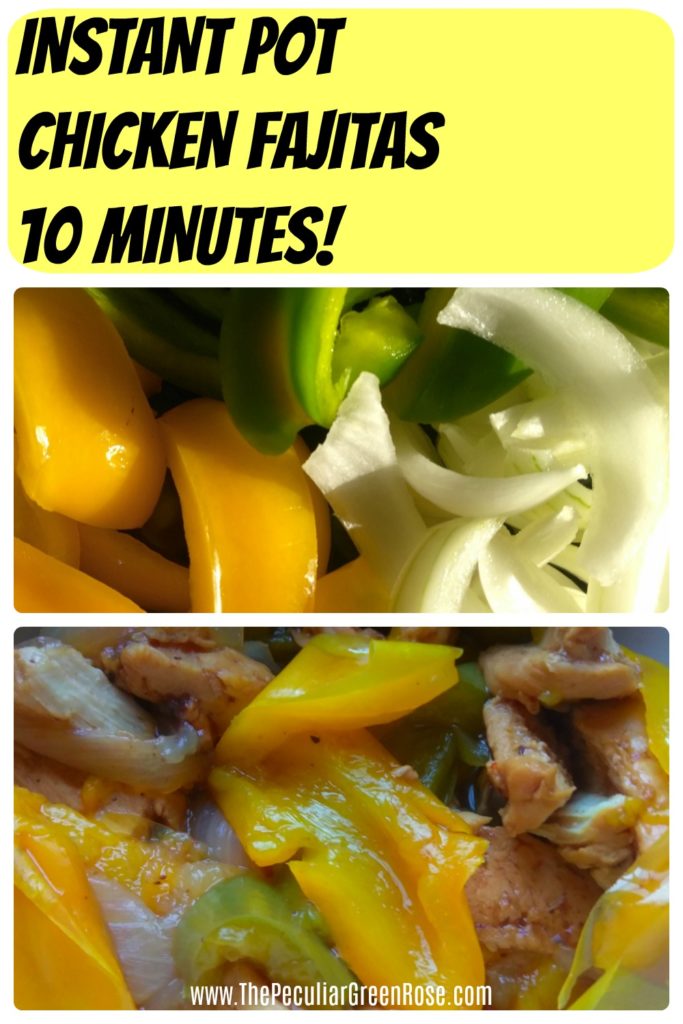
(135, 570)
(87, 442)
(44, 584)
(381, 858)
(339, 682)
(63, 954)
(249, 519)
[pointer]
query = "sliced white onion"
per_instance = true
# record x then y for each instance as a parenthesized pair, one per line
(142, 939)
(162, 764)
(512, 584)
(579, 352)
(474, 496)
(357, 471)
(543, 540)
(548, 427)
(209, 825)
(438, 576)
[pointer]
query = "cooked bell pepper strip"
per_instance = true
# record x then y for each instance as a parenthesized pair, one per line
(654, 687)
(249, 518)
(49, 531)
(640, 311)
(87, 442)
(626, 932)
(339, 681)
(166, 869)
(453, 373)
(351, 588)
(246, 918)
(279, 361)
(133, 569)
(382, 859)
(44, 584)
(63, 954)
(184, 368)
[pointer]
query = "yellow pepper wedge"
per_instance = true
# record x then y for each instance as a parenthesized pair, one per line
(383, 860)
(351, 588)
(339, 682)
(654, 687)
(626, 937)
(49, 531)
(249, 519)
(321, 510)
(166, 873)
(88, 445)
(44, 584)
(63, 955)
(135, 570)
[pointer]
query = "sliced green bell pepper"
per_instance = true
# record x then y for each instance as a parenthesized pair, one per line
(279, 361)
(453, 373)
(246, 918)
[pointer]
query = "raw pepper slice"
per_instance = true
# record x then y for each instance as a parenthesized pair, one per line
(453, 373)
(249, 518)
(289, 355)
(44, 584)
(63, 956)
(342, 681)
(87, 442)
(351, 588)
(49, 531)
(129, 566)
(382, 859)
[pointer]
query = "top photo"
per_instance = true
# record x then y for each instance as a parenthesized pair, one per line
(298, 450)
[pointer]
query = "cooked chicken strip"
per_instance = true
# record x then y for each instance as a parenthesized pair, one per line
(595, 832)
(212, 683)
(572, 664)
(525, 897)
(525, 768)
(615, 734)
(426, 634)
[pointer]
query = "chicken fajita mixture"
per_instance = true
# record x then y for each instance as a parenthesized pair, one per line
(339, 810)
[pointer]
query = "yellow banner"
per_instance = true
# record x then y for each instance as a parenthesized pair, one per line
(385, 141)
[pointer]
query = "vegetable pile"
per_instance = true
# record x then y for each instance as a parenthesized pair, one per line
(337, 809)
(335, 449)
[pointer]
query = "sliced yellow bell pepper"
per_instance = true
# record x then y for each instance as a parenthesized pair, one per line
(63, 954)
(338, 682)
(49, 531)
(626, 936)
(382, 859)
(351, 588)
(249, 518)
(167, 873)
(43, 584)
(87, 442)
(321, 511)
(129, 566)
(654, 687)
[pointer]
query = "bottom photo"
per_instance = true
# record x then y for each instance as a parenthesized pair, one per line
(337, 818)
